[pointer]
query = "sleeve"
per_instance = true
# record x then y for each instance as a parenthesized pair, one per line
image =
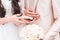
(56, 26)
(56, 8)
(53, 31)
(46, 15)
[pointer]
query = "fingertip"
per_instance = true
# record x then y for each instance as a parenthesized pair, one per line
(18, 15)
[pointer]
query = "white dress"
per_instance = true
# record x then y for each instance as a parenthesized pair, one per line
(8, 31)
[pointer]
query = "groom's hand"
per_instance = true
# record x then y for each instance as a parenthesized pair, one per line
(30, 13)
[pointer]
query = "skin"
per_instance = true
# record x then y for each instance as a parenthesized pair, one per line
(15, 19)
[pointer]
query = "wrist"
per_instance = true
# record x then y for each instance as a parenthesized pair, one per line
(3, 20)
(7, 19)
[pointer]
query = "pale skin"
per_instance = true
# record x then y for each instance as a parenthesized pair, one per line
(15, 19)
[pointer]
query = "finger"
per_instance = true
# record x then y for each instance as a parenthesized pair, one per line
(27, 21)
(20, 18)
(18, 15)
(29, 9)
(17, 24)
(27, 12)
(30, 13)
(33, 15)
(20, 21)
(24, 20)
(36, 18)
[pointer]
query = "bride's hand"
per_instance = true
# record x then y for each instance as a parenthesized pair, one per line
(17, 19)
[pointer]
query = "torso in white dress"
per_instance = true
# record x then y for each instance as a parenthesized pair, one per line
(8, 31)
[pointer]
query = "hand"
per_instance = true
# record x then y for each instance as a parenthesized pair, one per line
(32, 14)
(27, 19)
(15, 19)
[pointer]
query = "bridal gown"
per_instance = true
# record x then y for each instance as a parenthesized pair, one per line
(8, 31)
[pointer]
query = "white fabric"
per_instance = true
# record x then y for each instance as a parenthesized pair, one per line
(44, 8)
(54, 31)
(31, 32)
(56, 8)
(8, 31)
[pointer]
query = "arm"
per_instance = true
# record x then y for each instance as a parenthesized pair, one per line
(53, 31)
(15, 19)
(46, 15)
(3, 20)
(56, 26)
